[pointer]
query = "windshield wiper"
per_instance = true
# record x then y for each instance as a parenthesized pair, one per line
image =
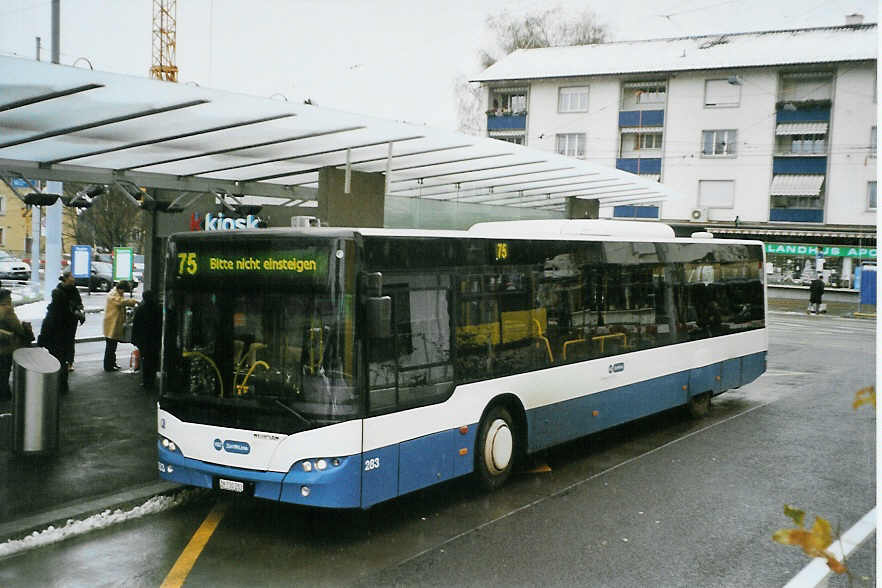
(294, 412)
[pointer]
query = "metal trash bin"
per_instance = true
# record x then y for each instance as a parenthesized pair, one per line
(35, 375)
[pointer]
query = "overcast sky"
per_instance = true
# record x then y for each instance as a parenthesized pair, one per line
(397, 59)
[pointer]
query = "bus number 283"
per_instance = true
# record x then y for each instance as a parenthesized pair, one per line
(371, 464)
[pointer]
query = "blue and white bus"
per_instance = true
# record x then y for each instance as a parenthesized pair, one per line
(340, 368)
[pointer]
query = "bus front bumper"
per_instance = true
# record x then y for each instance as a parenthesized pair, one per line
(337, 486)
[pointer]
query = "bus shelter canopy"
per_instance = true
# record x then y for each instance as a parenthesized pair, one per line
(69, 124)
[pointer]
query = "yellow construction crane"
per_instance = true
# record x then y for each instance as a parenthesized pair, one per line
(164, 40)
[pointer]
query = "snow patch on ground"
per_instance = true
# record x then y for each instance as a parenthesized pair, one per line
(73, 528)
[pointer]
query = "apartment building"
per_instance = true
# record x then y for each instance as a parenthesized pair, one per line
(767, 135)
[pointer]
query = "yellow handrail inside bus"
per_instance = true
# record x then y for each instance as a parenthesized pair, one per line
(603, 338)
(571, 341)
(240, 358)
(544, 338)
(243, 387)
(220, 380)
(314, 365)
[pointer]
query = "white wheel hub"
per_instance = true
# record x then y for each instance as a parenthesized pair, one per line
(498, 447)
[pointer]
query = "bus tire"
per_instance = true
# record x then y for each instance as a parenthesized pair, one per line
(496, 448)
(699, 405)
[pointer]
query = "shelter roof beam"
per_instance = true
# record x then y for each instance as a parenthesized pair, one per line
(102, 123)
(49, 96)
(244, 147)
(305, 155)
(171, 138)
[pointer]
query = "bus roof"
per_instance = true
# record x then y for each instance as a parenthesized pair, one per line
(547, 229)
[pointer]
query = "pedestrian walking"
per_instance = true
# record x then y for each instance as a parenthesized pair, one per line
(147, 337)
(59, 329)
(816, 292)
(114, 316)
(13, 334)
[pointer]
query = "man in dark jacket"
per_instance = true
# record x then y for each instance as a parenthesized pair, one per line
(147, 337)
(816, 291)
(59, 330)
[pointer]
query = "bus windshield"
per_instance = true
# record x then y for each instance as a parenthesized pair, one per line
(265, 348)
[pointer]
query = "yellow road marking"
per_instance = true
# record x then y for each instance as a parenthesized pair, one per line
(187, 559)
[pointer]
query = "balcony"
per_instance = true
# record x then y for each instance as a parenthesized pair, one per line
(799, 165)
(642, 118)
(803, 114)
(636, 165)
(634, 211)
(506, 122)
(797, 215)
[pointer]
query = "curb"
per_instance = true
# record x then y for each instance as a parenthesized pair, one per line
(58, 517)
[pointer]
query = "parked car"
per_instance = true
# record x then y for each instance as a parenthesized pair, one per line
(12, 268)
(101, 279)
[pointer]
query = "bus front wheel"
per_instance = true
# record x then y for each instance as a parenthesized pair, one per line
(699, 405)
(496, 448)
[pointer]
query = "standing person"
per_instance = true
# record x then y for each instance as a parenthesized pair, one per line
(114, 316)
(13, 334)
(59, 330)
(147, 337)
(816, 291)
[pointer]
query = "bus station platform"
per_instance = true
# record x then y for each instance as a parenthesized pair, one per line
(106, 454)
(106, 458)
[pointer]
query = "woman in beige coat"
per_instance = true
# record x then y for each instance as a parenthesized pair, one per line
(114, 315)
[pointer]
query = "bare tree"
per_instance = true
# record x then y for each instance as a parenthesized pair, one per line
(113, 220)
(548, 28)
(551, 27)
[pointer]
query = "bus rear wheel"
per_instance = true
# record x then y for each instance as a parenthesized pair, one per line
(496, 448)
(699, 405)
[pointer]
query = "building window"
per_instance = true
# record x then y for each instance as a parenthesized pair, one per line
(806, 86)
(806, 202)
(719, 142)
(873, 142)
(2, 204)
(517, 140)
(721, 93)
(649, 141)
(508, 101)
(808, 144)
(871, 195)
(572, 144)
(573, 99)
(651, 96)
(643, 95)
(716, 193)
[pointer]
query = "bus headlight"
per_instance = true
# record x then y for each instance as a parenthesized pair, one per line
(169, 444)
(319, 464)
(304, 491)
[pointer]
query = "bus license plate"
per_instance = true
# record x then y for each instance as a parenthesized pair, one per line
(231, 485)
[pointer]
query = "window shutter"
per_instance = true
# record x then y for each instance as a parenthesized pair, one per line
(721, 93)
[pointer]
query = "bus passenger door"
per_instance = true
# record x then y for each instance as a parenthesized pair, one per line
(409, 370)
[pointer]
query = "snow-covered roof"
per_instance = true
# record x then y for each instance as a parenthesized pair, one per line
(718, 51)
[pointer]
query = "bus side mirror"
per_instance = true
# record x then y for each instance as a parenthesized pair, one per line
(379, 317)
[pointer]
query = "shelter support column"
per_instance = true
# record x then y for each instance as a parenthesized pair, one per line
(361, 207)
(53, 241)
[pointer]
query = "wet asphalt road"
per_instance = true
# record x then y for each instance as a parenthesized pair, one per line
(665, 501)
